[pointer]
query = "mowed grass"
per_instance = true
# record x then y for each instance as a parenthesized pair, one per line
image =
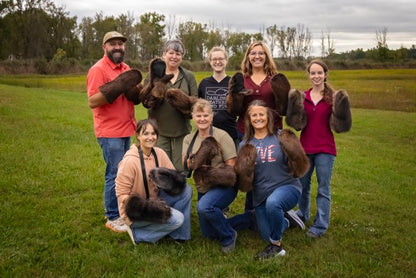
(52, 214)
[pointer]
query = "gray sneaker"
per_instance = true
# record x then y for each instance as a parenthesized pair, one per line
(116, 225)
(294, 219)
(230, 247)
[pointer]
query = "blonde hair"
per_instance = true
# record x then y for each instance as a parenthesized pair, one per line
(215, 49)
(202, 105)
(269, 65)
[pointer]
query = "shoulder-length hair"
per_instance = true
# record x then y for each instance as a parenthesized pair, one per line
(142, 126)
(328, 90)
(269, 65)
(248, 128)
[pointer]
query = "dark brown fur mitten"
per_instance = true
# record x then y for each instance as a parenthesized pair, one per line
(207, 151)
(236, 94)
(296, 116)
(340, 120)
(133, 94)
(180, 101)
(280, 87)
(298, 162)
(244, 167)
(207, 177)
(141, 209)
(170, 180)
(123, 82)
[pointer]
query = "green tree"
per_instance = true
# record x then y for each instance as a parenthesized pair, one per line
(150, 35)
(194, 36)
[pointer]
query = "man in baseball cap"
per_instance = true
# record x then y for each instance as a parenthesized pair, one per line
(113, 35)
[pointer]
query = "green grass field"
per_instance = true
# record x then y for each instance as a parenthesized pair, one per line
(52, 213)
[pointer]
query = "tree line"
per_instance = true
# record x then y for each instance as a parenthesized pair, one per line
(41, 31)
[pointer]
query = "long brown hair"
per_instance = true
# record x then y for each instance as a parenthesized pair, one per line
(248, 128)
(269, 66)
(142, 125)
(328, 90)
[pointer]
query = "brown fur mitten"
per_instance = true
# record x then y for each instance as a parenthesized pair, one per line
(133, 94)
(141, 209)
(298, 162)
(296, 116)
(207, 177)
(236, 94)
(207, 151)
(280, 87)
(340, 120)
(180, 101)
(170, 180)
(244, 167)
(111, 90)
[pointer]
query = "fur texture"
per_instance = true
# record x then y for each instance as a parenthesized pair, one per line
(280, 87)
(207, 177)
(296, 116)
(133, 94)
(236, 94)
(141, 209)
(123, 82)
(171, 181)
(207, 151)
(340, 120)
(180, 101)
(297, 160)
(244, 167)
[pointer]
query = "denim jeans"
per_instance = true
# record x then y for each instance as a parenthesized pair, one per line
(323, 163)
(245, 220)
(212, 221)
(178, 225)
(113, 152)
(270, 214)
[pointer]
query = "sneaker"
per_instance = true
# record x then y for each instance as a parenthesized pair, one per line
(311, 234)
(116, 225)
(270, 251)
(294, 220)
(230, 247)
(130, 232)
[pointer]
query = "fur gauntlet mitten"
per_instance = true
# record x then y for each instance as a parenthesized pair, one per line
(298, 162)
(207, 177)
(236, 94)
(280, 87)
(141, 209)
(296, 116)
(122, 83)
(340, 120)
(171, 181)
(180, 101)
(133, 94)
(244, 167)
(207, 151)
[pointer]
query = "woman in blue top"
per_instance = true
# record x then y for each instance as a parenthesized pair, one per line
(276, 188)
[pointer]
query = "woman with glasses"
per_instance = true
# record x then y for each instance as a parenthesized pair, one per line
(215, 90)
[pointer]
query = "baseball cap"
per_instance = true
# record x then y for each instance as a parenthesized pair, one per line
(113, 35)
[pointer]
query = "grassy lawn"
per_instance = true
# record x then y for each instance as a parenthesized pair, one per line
(52, 213)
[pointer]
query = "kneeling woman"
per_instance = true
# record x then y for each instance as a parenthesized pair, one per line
(212, 153)
(276, 190)
(150, 212)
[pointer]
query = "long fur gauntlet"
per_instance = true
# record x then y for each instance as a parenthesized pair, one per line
(296, 116)
(207, 177)
(122, 83)
(244, 167)
(236, 94)
(180, 101)
(153, 210)
(171, 181)
(340, 120)
(298, 162)
(280, 87)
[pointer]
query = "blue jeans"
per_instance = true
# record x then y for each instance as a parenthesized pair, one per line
(323, 163)
(113, 152)
(212, 221)
(270, 214)
(245, 220)
(178, 225)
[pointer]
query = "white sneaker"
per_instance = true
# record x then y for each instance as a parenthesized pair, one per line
(130, 232)
(116, 225)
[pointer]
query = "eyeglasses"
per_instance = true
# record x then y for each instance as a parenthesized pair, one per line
(217, 59)
(253, 53)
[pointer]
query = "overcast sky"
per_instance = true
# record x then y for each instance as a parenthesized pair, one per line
(352, 24)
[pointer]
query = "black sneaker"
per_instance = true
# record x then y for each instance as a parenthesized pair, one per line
(270, 251)
(294, 220)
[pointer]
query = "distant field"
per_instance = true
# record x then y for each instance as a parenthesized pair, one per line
(386, 89)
